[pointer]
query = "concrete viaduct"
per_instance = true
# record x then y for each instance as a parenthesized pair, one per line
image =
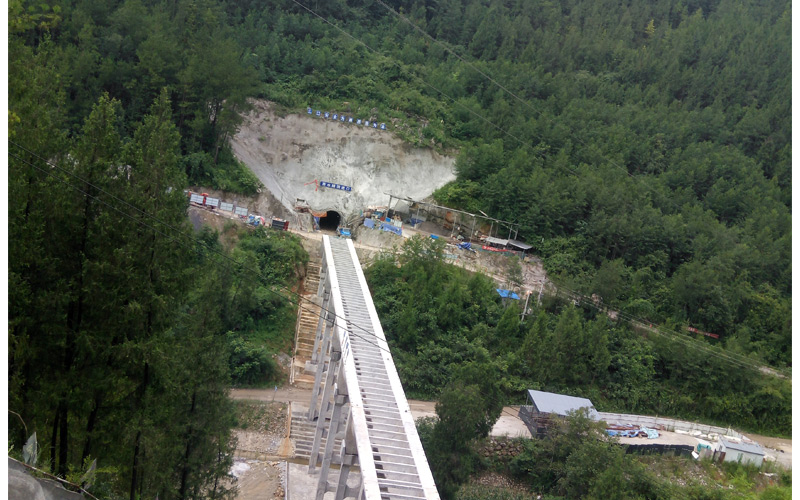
(357, 395)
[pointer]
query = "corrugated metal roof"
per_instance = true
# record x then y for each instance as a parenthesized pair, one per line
(522, 246)
(753, 448)
(496, 241)
(560, 404)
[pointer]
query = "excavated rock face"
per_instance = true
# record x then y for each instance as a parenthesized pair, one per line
(288, 154)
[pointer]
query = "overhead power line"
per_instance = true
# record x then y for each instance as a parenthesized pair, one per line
(235, 267)
(231, 266)
(422, 80)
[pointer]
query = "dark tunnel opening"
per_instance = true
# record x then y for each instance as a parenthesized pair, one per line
(331, 221)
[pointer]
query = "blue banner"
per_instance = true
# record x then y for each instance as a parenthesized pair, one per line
(335, 186)
(345, 119)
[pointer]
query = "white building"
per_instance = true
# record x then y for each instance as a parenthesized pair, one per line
(744, 453)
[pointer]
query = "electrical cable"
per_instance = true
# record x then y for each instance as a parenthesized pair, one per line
(211, 250)
(560, 288)
(398, 65)
(176, 240)
(675, 205)
(492, 80)
(739, 360)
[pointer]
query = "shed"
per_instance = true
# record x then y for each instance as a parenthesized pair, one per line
(542, 407)
(496, 242)
(518, 245)
(747, 453)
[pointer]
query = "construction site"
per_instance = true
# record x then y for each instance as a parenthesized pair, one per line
(356, 213)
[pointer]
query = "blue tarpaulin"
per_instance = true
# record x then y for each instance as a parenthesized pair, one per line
(369, 223)
(466, 245)
(391, 229)
(433, 236)
(507, 294)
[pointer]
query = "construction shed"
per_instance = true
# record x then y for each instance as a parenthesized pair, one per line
(744, 453)
(543, 407)
(496, 242)
(519, 246)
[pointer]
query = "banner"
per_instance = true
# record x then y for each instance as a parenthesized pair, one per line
(493, 249)
(345, 119)
(319, 214)
(335, 186)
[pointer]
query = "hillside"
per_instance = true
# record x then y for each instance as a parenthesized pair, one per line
(289, 153)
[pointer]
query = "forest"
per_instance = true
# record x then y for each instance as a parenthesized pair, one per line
(440, 318)
(126, 327)
(643, 147)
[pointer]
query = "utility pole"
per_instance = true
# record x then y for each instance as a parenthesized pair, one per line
(525, 309)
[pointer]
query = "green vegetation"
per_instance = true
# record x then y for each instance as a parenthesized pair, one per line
(647, 158)
(645, 151)
(441, 320)
(578, 460)
(125, 326)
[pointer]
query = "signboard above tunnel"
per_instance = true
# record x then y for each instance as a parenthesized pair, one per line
(335, 186)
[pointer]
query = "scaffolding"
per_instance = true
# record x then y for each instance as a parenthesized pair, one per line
(461, 224)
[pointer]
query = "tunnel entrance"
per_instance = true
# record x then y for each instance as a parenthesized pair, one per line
(331, 221)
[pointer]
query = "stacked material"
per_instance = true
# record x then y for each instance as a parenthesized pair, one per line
(631, 431)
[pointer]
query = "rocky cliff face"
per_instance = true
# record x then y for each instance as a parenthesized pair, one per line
(288, 154)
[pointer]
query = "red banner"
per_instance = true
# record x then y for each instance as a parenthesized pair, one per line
(493, 249)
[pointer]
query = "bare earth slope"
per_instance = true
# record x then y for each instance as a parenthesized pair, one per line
(288, 152)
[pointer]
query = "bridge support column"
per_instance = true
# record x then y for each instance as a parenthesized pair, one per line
(333, 368)
(340, 399)
(324, 317)
(348, 457)
(325, 355)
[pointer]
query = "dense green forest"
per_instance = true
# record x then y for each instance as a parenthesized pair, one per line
(455, 340)
(126, 328)
(440, 318)
(643, 147)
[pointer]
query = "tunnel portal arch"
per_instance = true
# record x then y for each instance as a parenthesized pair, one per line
(331, 221)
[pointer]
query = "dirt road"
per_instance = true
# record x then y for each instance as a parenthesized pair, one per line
(507, 425)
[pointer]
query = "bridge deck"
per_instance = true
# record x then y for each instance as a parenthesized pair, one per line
(390, 455)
